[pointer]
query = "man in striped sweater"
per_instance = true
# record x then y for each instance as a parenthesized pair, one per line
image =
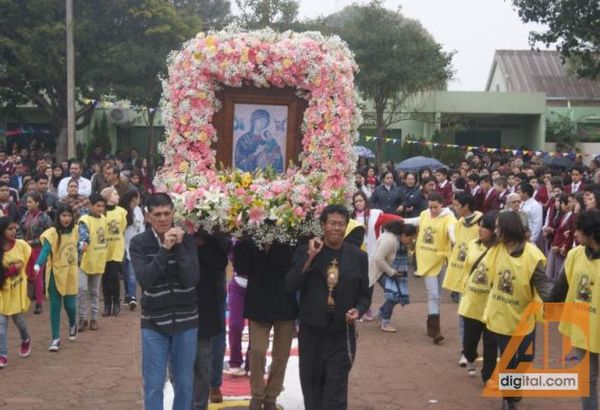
(165, 261)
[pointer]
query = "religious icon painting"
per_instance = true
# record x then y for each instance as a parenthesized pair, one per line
(259, 136)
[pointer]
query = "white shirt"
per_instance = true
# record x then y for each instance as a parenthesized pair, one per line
(85, 187)
(445, 211)
(535, 217)
(575, 187)
(137, 227)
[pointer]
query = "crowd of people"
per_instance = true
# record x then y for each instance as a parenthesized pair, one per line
(482, 231)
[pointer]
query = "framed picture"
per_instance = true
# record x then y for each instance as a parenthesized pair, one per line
(259, 136)
(259, 127)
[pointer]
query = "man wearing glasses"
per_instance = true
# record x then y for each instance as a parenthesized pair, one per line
(165, 261)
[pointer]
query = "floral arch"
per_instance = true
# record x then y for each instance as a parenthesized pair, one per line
(262, 204)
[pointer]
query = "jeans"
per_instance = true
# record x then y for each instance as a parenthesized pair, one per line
(89, 288)
(433, 284)
(590, 402)
(236, 296)
(386, 310)
(129, 280)
(19, 321)
(180, 351)
(208, 368)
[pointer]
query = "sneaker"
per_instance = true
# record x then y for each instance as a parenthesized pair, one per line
(126, 300)
(83, 324)
(54, 346)
(455, 296)
(368, 316)
(388, 328)
(25, 349)
(462, 362)
(38, 309)
(471, 369)
(132, 304)
(73, 333)
(3, 362)
(93, 324)
(235, 371)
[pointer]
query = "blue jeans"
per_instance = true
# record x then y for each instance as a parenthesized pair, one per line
(19, 321)
(180, 351)
(386, 310)
(129, 278)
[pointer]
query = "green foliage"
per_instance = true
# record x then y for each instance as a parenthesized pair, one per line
(280, 15)
(570, 24)
(563, 132)
(449, 156)
(215, 14)
(397, 58)
(414, 150)
(100, 136)
(120, 49)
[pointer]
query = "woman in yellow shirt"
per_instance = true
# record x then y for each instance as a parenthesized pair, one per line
(475, 290)
(14, 254)
(519, 271)
(579, 283)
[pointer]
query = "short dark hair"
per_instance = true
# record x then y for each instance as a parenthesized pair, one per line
(334, 209)
(465, 199)
(591, 187)
(486, 178)
(511, 227)
(113, 168)
(158, 199)
(527, 188)
(3, 184)
(522, 176)
(77, 162)
(460, 183)
(38, 177)
(435, 197)
(399, 228)
(96, 197)
(588, 222)
(577, 168)
(427, 180)
(474, 177)
(442, 170)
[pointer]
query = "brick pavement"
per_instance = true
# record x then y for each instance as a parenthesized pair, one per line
(101, 370)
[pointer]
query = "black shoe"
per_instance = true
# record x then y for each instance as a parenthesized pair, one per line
(127, 300)
(116, 308)
(107, 310)
(455, 296)
(38, 309)
(132, 304)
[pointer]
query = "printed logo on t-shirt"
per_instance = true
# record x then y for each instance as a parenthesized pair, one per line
(428, 237)
(462, 252)
(480, 275)
(505, 284)
(100, 235)
(584, 288)
(113, 227)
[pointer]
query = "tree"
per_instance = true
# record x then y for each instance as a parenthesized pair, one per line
(215, 14)
(107, 35)
(99, 137)
(396, 56)
(572, 25)
(277, 14)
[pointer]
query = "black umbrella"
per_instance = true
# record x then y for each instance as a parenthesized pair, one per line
(558, 162)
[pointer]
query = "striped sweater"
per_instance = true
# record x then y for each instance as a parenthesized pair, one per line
(168, 279)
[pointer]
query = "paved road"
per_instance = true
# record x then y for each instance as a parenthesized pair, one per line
(101, 370)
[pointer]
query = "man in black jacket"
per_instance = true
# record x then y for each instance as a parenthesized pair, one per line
(166, 265)
(213, 251)
(332, 277)
(268, 306)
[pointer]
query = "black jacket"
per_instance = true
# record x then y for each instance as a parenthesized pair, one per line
(387, 200)
(352, 290)
(168, 278)
(213, 257)
(266, 297)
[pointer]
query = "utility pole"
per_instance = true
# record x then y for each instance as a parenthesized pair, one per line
(70, 82)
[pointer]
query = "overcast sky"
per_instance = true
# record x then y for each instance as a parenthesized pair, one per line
(474, 28)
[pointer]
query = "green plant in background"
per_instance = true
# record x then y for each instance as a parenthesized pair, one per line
(562, 131)
(100, 137)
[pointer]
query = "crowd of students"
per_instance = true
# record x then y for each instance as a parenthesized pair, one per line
(500, 233)
(64, 236)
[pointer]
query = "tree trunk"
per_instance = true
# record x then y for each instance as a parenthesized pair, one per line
(381, 129)
(61, 142)
(152, 147)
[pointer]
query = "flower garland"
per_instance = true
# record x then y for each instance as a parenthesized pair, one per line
(264, 205)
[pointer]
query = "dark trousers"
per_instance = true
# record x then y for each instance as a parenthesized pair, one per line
(474, 329)
(525, 353)
(324, 367)
(110, 282)
(208, 368)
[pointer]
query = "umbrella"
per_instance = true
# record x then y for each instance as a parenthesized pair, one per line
(557, 162)
(363, 151)
(418, 163)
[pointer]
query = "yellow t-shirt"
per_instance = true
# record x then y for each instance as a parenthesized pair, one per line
(433, 244)
(13, 295)
(93, 261)
(464, 235)
(62, 261)
(583, 276)
(116, 219)
(477, 283)
(511, 291)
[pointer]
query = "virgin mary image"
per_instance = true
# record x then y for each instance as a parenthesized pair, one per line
(257, 148)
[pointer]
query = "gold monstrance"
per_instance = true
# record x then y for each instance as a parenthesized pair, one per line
(333, 275)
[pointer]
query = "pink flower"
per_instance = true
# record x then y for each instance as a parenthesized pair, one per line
(256, 215)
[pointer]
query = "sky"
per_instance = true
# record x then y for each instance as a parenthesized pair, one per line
(473, 28)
